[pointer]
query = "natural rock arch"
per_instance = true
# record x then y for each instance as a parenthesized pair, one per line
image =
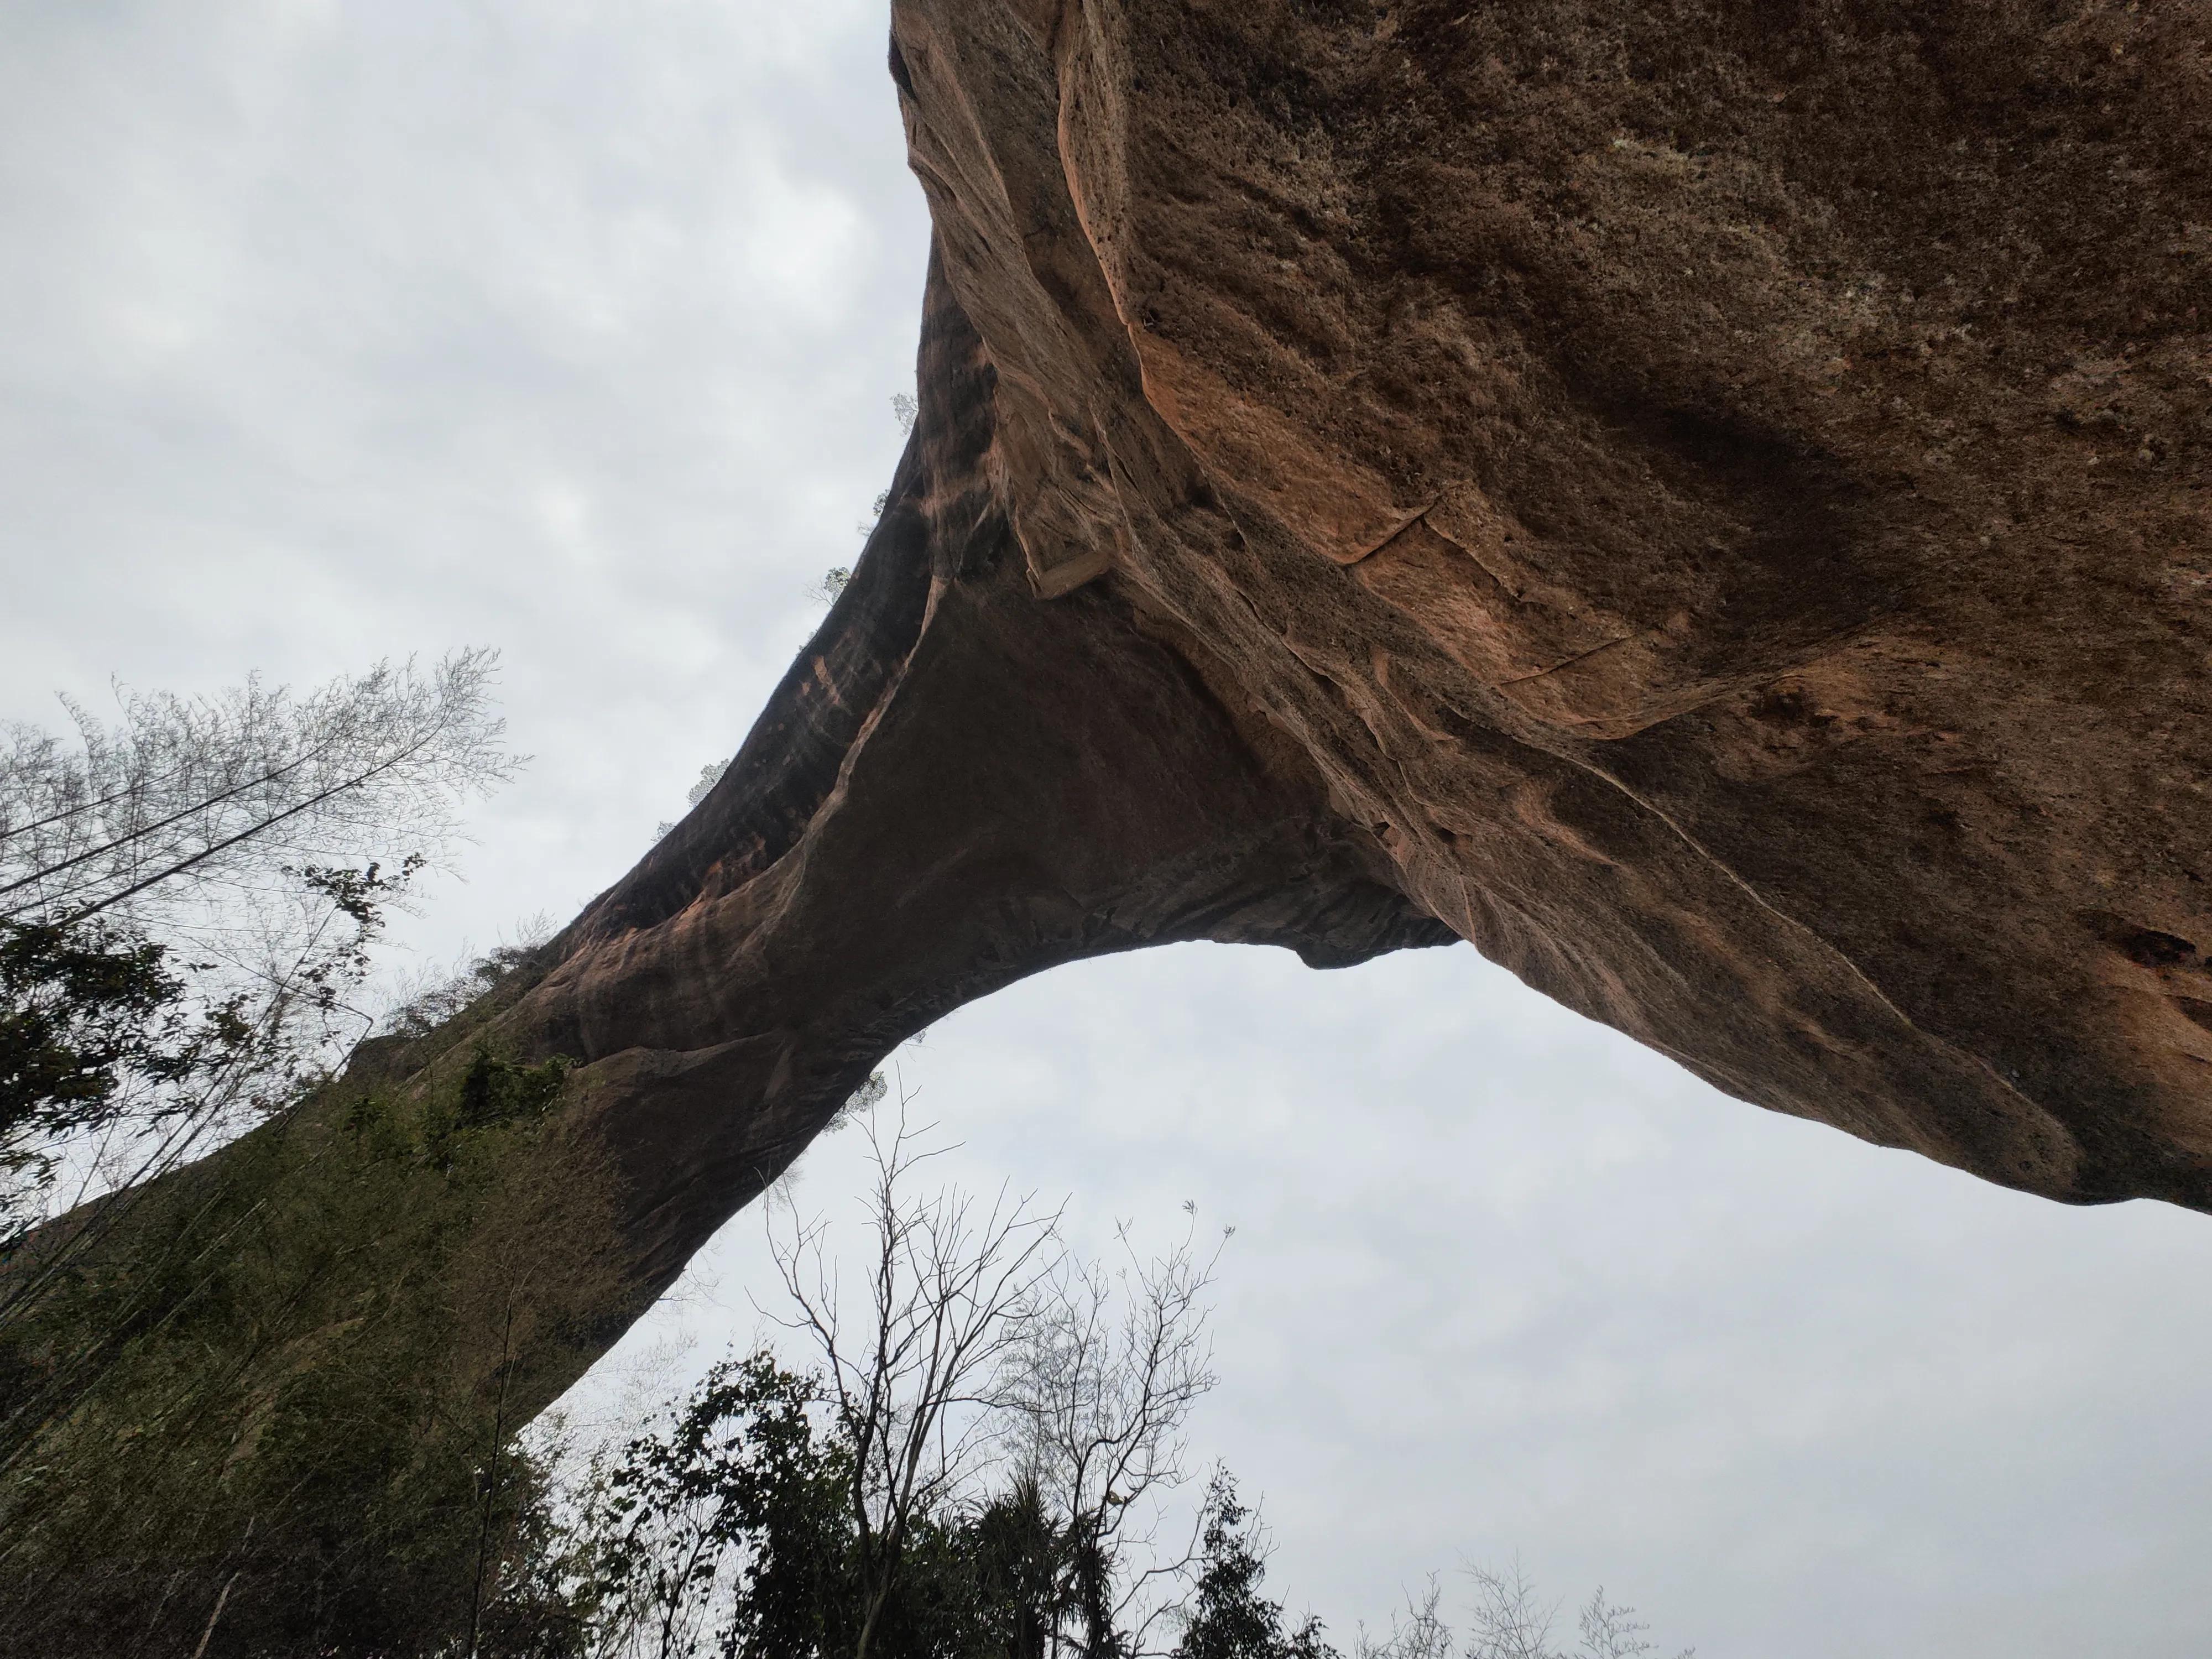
(1706, 502)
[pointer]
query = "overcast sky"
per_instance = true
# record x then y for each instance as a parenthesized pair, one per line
(337, 332)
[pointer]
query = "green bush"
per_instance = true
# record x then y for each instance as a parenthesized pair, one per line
(287, 1380)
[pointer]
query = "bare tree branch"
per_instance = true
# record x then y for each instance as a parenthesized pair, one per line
(948, 1279)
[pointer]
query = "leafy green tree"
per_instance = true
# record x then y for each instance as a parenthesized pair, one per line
(1228, 1617)
(734, 1511)
(80, 1010)
(729, 1531)
(1024, 1566)
(279, 1407)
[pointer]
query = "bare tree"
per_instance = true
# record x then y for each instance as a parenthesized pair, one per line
(187, 899)
(187, 811)
(910, 1383)
(1612, 1631)
(1420, 1634)
(1509, 1622)
(1110, 1359)
(981, 1389)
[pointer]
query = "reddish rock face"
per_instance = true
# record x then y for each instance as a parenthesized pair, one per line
(1705, 502)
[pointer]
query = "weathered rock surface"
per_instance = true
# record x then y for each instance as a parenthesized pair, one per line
(1705, 502)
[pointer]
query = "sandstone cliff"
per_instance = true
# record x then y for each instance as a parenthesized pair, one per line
(1705, 502)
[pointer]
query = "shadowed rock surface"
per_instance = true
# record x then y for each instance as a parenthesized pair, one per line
(1706, 503)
